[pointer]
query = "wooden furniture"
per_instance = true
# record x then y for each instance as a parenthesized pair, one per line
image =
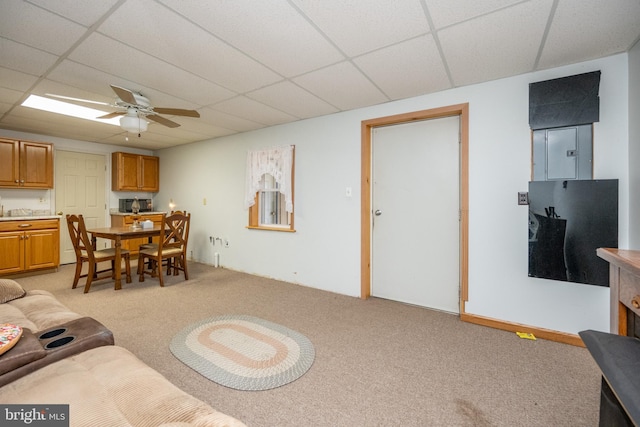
(86, 252)
(171, 247)
(28, 245)
(133, 245)
(618, 353)
(118, 235)
(25, 164)
(624, 283)
(134, 172)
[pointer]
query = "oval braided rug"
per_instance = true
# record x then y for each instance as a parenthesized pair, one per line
(244, 352)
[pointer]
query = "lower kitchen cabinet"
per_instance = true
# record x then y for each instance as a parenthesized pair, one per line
(29, 245)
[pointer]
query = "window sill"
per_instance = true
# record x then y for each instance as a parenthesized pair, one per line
(288, 230)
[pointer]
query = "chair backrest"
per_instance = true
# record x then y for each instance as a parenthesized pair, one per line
(79, 237)
(176, 226)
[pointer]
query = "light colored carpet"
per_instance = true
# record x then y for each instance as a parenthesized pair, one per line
(377, 363)
(244, 352)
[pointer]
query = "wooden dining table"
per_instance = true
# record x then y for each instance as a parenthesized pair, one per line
(117, 235)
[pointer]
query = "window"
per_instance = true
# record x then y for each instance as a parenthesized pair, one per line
(269, 195)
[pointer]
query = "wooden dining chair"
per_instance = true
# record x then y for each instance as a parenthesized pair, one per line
(85, 252)
(171, 247)
(154, 245)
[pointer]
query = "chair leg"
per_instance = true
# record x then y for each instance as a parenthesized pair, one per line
(158, 268)
(183, 261)
(92, 271)
(78, 273)
(127, 263)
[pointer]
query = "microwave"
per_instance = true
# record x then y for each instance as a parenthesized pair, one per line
(146, 205)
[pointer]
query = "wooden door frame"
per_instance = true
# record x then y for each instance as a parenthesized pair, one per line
(461, 110)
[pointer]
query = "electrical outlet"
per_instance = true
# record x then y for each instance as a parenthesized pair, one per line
(523, 198)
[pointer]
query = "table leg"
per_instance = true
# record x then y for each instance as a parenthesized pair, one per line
(118, 264)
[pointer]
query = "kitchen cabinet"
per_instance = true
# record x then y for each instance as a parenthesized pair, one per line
(29, 245)
(133, 245)
(134, 172)
(25, 164)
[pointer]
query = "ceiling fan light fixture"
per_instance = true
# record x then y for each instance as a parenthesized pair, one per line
(132, 123)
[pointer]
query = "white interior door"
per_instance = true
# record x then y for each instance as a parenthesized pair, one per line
(416, 221)
(79, 186)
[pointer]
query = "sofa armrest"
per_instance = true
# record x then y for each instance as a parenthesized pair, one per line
(28, 349)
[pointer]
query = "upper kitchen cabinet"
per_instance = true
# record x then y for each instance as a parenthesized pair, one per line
(134, 172)
(25, 164)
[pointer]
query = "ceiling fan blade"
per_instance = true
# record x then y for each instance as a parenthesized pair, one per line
(177, 112)
(111, 115)
(124, 94)
(162, 120)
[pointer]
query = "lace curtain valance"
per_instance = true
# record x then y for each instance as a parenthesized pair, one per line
(277, 162)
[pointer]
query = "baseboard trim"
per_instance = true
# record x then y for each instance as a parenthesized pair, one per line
(547, 334)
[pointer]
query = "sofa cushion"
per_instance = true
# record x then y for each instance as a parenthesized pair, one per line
(10, 290)
(36, 311)
(109, 386)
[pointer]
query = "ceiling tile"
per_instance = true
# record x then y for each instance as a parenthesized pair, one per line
(448, 12)
(23, 58)
(44, 30)
(10, 95)
(263, 30)
(420, 62)
(292, 99)
(146, 70)
(228, 121)
(16, 80)
(154, 29)
(77, 10)
(357, 27)
(342, 86)
(247, 108)
(501, 44)
(581, 30)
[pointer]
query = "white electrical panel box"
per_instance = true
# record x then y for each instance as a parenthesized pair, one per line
(563, 153)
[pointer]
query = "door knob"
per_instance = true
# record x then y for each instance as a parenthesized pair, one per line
(378, 212)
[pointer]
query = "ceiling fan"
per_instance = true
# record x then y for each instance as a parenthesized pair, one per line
(135, 108)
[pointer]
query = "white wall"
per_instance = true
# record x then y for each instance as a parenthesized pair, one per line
(30, 199)
(324, 252)
(634, 146)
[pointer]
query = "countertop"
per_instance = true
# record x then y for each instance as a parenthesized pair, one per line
(28, 218)
(141, 213)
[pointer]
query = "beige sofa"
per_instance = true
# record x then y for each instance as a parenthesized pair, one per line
(65, 358)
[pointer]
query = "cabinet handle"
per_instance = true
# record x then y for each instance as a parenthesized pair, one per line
(635, 302)
(25, 225)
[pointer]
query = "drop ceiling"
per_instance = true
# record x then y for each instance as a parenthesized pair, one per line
(247, 64)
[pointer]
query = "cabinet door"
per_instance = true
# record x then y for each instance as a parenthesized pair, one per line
(41, 249)
(36, 165)
(124, 172)
(11, 252)
(149, 173)
(9, 163)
